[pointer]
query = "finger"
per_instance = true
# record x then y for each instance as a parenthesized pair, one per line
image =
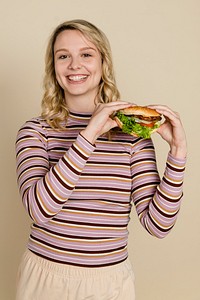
(113, 106)
(163, 109)
(118, 103)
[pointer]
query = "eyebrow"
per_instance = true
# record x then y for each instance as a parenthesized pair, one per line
(82, 49)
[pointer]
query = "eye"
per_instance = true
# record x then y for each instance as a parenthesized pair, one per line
(86, 55)
(63, 56)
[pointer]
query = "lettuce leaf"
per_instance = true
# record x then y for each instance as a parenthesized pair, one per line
(130, 126)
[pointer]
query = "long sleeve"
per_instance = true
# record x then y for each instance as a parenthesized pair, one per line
(45, 189)
(80, 195)
(157, 201)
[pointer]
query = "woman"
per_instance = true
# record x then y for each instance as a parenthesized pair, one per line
(78, 178)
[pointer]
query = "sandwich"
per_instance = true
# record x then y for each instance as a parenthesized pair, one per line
(139, 121)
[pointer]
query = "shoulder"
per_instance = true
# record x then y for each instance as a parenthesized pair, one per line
(37, 123)
(35, 126)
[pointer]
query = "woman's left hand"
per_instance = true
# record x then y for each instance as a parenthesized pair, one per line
(172, 131)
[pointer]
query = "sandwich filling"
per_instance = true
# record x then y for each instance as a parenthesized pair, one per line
(140, 125)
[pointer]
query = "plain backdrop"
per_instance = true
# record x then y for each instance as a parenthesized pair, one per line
(156, 48)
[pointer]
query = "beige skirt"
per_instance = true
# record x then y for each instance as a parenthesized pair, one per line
(41, 279)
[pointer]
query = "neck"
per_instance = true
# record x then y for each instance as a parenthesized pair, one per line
(84, 104)
(81, 103)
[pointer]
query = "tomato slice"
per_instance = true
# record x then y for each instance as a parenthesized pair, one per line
(147, 125)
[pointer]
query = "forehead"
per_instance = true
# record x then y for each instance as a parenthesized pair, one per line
(72, 39)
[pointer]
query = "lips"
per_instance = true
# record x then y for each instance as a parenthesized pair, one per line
(77, 78)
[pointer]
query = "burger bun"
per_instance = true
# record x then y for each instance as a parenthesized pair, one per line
(140, 110)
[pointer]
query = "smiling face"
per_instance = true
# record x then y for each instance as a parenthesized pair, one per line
(78, 68)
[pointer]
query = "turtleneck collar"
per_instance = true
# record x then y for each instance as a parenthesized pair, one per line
(79, 115)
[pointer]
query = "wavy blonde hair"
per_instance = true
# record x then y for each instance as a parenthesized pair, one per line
(54, 108)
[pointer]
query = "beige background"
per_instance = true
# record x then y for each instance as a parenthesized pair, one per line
(156, 48)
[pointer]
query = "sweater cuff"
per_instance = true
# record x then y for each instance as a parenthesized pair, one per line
(84, 145)
(176, 162)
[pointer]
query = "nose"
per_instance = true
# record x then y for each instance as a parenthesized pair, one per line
(75, 63)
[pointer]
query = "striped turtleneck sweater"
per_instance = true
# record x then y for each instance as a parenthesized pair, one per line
(80, 195)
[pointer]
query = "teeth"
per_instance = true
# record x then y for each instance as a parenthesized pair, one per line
(77, 77)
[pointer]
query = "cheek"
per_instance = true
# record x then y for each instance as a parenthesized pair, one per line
(99, 70)
(58, 71)
(58, 76)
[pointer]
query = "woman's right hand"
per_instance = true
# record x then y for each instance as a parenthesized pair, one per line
(101, 121)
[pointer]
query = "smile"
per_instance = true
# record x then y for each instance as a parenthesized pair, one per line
(77, 78)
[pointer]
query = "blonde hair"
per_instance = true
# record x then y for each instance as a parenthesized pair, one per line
(54, 108)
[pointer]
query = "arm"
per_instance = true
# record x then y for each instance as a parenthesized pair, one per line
(44, 189)
(157, 202)
(158, 210)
